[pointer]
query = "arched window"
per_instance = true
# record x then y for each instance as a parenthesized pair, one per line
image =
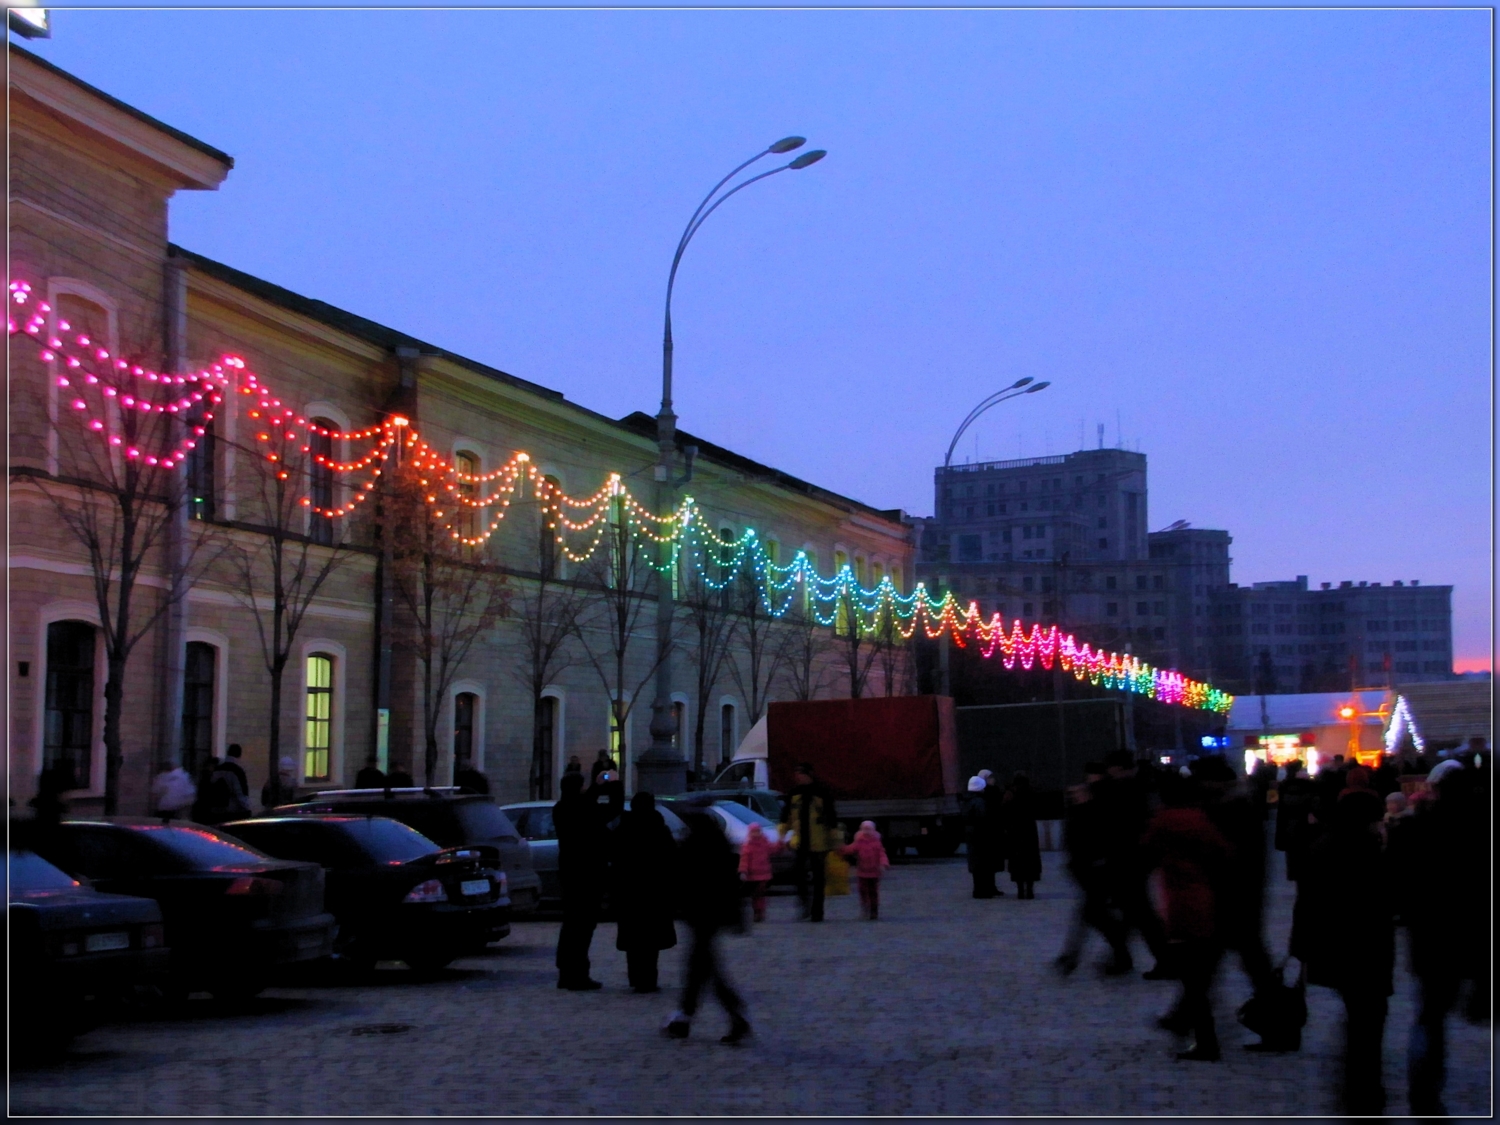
(467, 524)
(465, 712)
(68, 738)
(549, 553)
(198, 705)
(318, 729)
(320, 480)
(845, 591)
(727, 733)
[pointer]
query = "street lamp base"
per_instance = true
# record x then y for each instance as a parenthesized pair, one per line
(660, 776)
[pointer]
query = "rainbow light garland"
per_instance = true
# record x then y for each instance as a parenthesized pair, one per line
(465, 501)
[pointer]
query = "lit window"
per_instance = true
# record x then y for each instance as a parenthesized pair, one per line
(317, 737)
(467, 523)
(320, 479)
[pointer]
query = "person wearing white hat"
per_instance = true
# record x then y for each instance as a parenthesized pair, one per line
(979, 838)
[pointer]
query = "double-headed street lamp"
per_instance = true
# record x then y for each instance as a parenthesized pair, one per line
(661, 769)
(1023, 386)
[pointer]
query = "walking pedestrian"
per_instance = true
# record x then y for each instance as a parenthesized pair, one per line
(1184, 845)
(979, 839)
(1023, 850)
(809, 814)
(644, 881)
(1124, 813)
(1439, 861)
(582, 866)
(755, 868)
(1343, 931)
(1083, 837)
(711, 902)
(870, 861)
(173, 792)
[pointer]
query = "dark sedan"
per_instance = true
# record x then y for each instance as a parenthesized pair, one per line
(397, 895)
(231, 913)
(71, 949)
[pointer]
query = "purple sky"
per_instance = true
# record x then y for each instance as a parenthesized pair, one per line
(1254, 244)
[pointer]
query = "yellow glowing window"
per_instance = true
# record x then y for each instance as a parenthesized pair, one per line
(319, 722)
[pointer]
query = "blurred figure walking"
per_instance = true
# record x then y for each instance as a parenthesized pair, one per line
(1343, 930)
(710, 902)
(1083, 836)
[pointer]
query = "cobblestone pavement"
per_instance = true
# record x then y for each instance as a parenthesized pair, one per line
(946, 1005)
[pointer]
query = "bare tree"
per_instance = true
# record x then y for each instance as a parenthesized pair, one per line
(709, 586)
(118, 491)
(610, 626)
(289, 546)
(893, 652)
(546, 608)
(761, 653)
(450, 593)
(802, 646)
(856, 649)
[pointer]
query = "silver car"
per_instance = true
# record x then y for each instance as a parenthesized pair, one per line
(533, 820)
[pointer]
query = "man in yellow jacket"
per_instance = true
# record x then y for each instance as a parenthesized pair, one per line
(810, 816)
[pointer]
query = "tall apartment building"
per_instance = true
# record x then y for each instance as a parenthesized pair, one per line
(1063, 540)
(1333, 638)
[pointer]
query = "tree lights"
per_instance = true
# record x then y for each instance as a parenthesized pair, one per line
(471, 507)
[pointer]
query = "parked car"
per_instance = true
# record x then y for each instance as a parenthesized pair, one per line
(231, 913)
(397, 895)
(767, 802)
(446, 816)
(533, 820)
(72, 948)
(735, 819)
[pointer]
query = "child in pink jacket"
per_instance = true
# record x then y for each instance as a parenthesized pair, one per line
(868, 853)
(755, 867)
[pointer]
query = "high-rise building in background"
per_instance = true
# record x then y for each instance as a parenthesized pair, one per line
(1063, 540)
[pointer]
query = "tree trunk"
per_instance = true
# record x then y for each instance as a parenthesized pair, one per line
(429, 724)
(278, 672)
(698, 736)
(114, 695)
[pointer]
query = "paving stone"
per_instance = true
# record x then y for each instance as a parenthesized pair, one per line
(946, 1005)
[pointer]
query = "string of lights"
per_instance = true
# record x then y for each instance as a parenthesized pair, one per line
(461, 500)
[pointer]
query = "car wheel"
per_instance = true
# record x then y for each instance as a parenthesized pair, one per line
(428, 963)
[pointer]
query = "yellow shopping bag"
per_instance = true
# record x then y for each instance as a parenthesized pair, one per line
(835, 875)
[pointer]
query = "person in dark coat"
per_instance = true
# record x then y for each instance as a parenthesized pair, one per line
(1296, 802)
(1022, 848)
(369, 777)
(643, 882)
(1083, 836)
(399, 779)
(582, 866)
(979, 839)
(232, 765)
(1124, 812)
(1440, 865)
(810, 814)
(710, 902)
(1184, 845)
(601, 763)
(1343, 931)
(470, 780)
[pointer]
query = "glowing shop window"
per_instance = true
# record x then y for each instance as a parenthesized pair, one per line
(319, 729)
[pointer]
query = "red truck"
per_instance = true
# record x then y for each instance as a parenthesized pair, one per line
(890, 760)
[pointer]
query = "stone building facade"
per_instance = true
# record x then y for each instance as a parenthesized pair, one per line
(92, 181)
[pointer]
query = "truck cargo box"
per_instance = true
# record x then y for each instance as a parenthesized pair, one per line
(1049, 742)
(897, 748)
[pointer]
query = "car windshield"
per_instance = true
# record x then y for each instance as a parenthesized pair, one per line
(740, 775)
(199, 847)
(390, 841)
(31, 874)
(484, 821)
(744, 815)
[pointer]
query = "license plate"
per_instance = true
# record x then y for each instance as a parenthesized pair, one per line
(98, 943)
(474, 887)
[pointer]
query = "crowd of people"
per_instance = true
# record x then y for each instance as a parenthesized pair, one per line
(1180, 858)
(1000, 834)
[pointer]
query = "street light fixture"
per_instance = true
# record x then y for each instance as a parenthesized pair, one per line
(659, 769)
(1020, 387)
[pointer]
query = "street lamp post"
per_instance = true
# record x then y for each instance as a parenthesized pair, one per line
(1025, 386)
(661, 769)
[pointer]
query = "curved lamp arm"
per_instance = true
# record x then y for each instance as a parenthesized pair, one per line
(995, 399)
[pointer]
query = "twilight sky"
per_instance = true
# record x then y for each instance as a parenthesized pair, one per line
(1255, 245)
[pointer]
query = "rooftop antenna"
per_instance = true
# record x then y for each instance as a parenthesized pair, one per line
(1119, 438)
(1101, 435)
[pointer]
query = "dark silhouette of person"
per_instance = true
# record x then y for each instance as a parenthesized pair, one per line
(582, 867)
(1440, 860)
(1022, 848)
(1124, 813)
(979, 839)
(232, 765)
(1189, 851)
(1343, 930)
(643, 888)
(399, 779)
(1297, 801)
(470, 780)
(574, 766)
(601, 763)
(710, 902)
(1085, 841)
(369, 777)
(810, 813)
(202, 804)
